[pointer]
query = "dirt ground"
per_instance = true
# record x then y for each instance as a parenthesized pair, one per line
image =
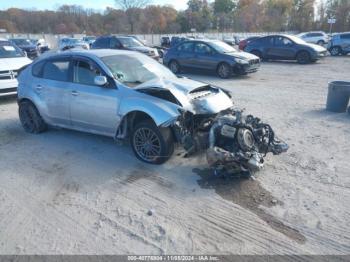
(65, 192)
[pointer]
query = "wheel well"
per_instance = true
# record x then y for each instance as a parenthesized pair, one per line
(256, 51)
(219, 64)
(136, 117)
(25, 100)
(300, 51)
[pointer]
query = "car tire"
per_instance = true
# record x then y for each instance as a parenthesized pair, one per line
(152, 144)
(30, 118)
(303, 57)
(161, 54)
(335, 51)
(174, 67)
(224, 70)
(321, 43)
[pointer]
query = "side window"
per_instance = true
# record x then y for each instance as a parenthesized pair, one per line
(185, 47)
(101, 43)
(85, 72)
(266, 41)
(114, 43)
(56, 70)
(201, 48)
(282, 41)
(345, 36)
(37, 69)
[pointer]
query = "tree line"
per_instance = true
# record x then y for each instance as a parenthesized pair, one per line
(140, 16)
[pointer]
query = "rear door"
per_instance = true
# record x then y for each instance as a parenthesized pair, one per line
(283, 48)
(345, 42)
(54, 89)
(184, 54)
(204, 56)
(93, 108)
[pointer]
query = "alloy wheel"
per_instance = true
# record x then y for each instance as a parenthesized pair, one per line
(147, 144)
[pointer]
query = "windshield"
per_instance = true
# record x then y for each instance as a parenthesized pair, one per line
(296, 39)
(222, 47)
(7, 50)
(129, 42)
(133, 70)
(22, 42)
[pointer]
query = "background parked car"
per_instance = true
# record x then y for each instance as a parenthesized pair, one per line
(12, 59)
(89, 40)
(339, 44)
(27, 46)
(285, 47)
(69, 43)
(233, 41)
(41, 44)
(243, 43)
(320, 38)
(212, 55)
(165, 42)
(124, 43)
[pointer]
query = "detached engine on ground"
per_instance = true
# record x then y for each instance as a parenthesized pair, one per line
(233, 142)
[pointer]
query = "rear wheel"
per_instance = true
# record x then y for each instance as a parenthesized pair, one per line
(335, 51)
(303, 57)
(224, 70)
(30, 118)
(174, 66)
(151, 144)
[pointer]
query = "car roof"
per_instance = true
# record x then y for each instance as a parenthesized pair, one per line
(92, 53)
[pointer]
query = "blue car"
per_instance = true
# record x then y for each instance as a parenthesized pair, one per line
(212, 55)
(285, 47)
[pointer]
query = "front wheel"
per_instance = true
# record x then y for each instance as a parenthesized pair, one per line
(303, 57)
(152, 144)
(30, 118)
(224, 70)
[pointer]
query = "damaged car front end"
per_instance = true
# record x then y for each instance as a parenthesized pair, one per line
(208, 122)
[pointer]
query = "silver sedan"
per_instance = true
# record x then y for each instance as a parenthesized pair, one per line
(125, 94)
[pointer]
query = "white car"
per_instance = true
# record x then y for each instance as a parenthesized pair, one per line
(12, 59)
(320, 38)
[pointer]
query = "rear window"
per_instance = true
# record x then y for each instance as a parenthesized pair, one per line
(345, 36)
(56, 70)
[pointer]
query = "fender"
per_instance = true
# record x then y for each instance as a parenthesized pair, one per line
(159, 110)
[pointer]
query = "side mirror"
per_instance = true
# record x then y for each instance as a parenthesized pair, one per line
(100, 80)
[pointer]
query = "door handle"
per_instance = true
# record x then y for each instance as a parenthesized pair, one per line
(75, 93)
(39, 87)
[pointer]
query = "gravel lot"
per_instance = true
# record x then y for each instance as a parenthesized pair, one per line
(64, 192)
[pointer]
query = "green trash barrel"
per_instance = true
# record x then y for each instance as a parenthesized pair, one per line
(338, 96)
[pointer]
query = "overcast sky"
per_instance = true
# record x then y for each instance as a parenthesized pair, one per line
(96, 4)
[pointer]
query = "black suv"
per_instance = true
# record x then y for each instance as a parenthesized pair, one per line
(124, 42)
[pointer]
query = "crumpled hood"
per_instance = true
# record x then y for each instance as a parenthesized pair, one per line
(317, 48)
(242, 55)
(211, 100)
(13, 63)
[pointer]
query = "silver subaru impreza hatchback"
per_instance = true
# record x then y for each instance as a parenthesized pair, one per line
(127, 95)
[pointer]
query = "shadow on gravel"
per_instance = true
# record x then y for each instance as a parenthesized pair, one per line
(8, 100)
(249, 194)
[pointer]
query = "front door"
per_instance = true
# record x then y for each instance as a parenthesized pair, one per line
(283, 48)
(93, 108)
